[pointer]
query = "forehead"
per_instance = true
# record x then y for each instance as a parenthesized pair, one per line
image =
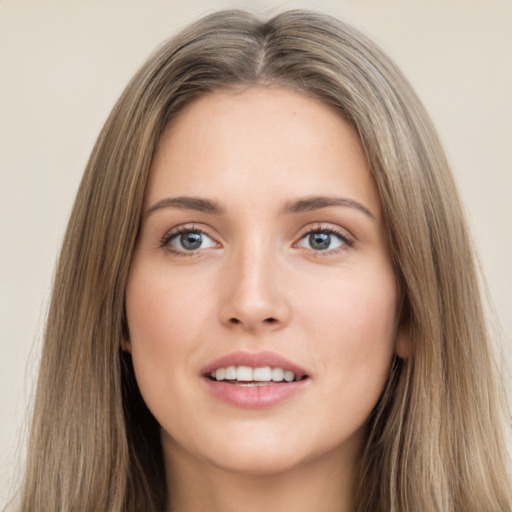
(260, 140)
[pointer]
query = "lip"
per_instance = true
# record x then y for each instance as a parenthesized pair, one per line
(259, 396)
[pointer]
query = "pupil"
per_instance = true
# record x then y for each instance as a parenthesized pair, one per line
(191, 241)
(319, 241)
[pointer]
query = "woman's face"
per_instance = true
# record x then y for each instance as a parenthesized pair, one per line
(262, 255)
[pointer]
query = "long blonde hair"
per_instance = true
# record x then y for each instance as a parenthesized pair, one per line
(435, 440)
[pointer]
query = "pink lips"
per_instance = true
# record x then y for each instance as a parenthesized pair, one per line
(258, 396)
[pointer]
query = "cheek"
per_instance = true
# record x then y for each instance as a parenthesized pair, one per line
(355, 332)
(165, 318)
(163, 310)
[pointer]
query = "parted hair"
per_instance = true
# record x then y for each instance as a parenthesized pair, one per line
(435, 440)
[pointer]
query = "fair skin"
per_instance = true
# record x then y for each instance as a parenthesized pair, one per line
(261, 270)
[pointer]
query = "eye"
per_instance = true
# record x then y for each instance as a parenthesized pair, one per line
(324, 240)
(186, 240)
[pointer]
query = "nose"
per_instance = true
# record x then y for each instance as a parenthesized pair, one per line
(254, 297)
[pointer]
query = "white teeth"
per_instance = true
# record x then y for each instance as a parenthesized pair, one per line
(288, 376)
(277, 374)
(244, 373)
(248, 374)
(262, 374)
(231, 373)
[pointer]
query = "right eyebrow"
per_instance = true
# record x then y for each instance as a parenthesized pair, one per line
(187, 203)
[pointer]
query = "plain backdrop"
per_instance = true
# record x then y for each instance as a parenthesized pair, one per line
(64, 63)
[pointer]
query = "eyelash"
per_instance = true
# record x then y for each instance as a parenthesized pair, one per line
(328, 230)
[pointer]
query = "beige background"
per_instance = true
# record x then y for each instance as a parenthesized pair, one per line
(64, 63)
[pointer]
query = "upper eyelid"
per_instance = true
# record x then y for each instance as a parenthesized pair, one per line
(326, 226)
(189, 227)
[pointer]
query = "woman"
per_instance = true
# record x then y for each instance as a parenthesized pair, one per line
(266, 295)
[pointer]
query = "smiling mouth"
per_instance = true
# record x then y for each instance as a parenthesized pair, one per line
(248, 376)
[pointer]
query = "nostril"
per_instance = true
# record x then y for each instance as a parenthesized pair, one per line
(235, 321)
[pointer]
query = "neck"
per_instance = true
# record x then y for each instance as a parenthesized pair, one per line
(322, 484)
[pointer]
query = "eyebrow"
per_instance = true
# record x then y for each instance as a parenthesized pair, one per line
(318, 202)
(199, 204)
(187, 203)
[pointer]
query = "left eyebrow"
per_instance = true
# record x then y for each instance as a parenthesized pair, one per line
(315, 203)
(197, 204)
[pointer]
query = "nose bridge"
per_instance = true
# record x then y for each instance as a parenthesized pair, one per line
(254, 295)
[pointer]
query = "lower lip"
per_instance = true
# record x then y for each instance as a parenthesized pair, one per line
(256, 397)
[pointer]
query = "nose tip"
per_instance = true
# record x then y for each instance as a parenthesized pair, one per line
(255, 297)
(250, 314)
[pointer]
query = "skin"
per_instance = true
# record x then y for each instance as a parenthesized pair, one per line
(256, 284)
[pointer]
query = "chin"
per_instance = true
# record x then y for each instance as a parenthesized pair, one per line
(268, 452)
(257, 463)
(246, 453)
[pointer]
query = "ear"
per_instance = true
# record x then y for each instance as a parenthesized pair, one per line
(126, 345)
(403, 344)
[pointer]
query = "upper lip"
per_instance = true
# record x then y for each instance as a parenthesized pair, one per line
(254, 360)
